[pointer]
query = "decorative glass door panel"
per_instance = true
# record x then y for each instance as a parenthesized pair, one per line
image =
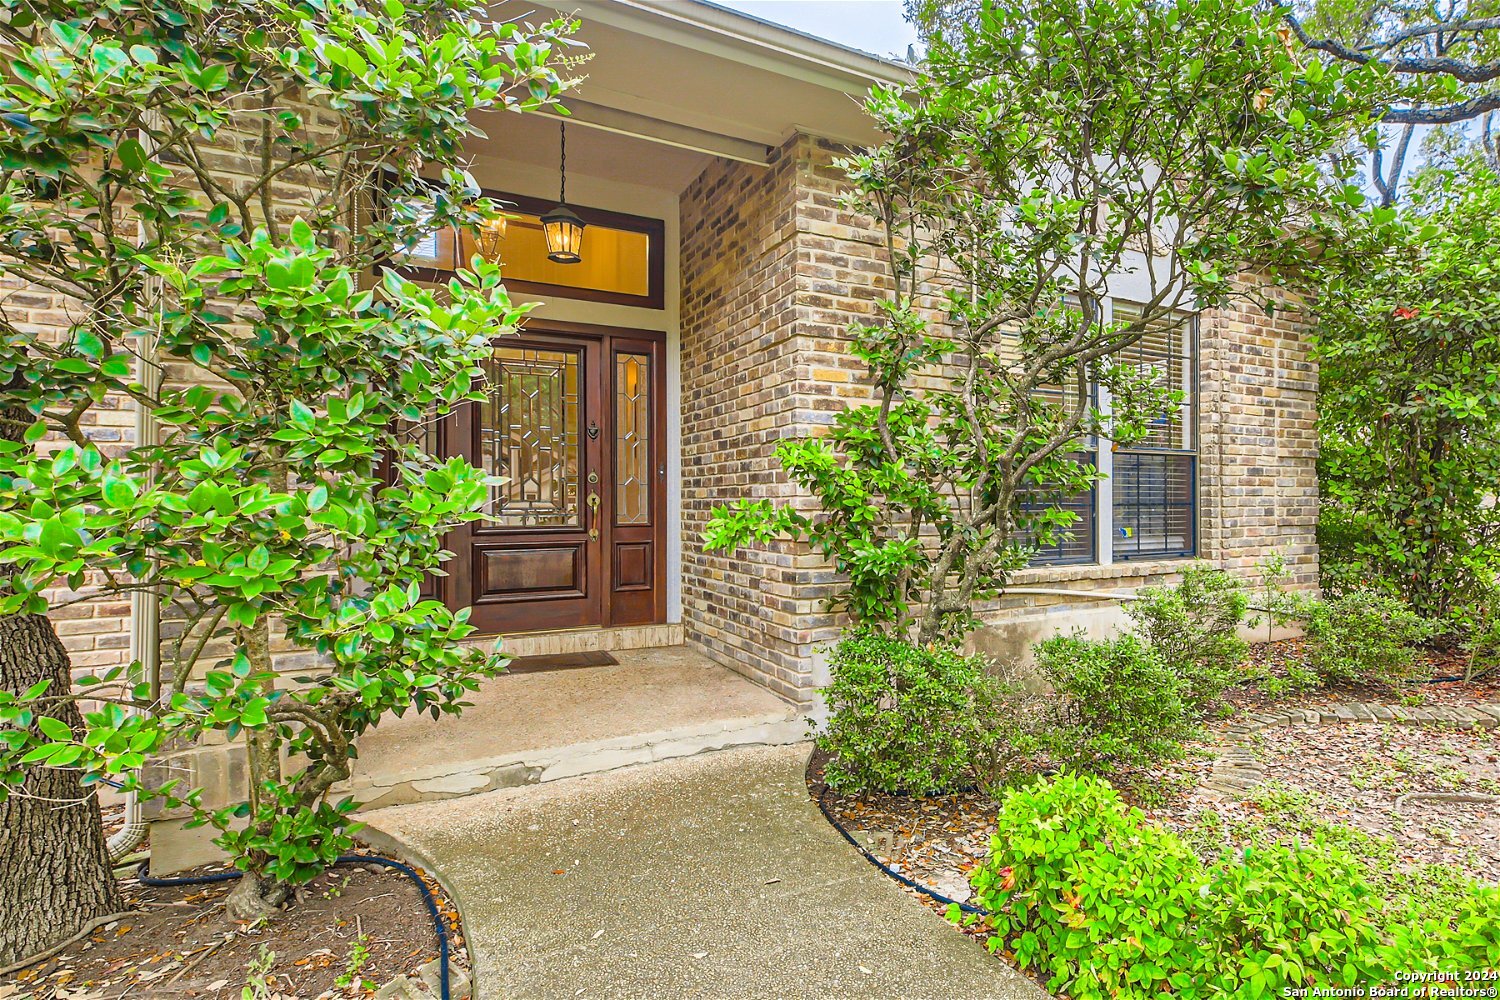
(632, 438)
(530, 435)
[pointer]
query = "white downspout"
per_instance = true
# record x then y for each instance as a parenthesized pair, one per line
(145, 621)
(145, 618)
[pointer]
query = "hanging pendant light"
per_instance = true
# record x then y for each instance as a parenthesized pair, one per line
(563, 228)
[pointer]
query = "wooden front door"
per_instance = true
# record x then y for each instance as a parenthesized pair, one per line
(574, 420)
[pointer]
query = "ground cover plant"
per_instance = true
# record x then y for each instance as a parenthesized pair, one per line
(1109, 904)
(288, 497)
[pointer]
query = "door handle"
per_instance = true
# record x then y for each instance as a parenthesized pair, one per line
(594, 509)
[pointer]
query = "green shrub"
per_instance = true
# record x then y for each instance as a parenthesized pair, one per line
(1011, 722)
(1107, 904)
(1281, 916)
(902, 718)
(1087, 892)
(1451, 937)
(1482, 646)
(1364, 636)
(1119, 703)
(1194, 628)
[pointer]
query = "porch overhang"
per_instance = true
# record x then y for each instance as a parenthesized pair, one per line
(703, 78)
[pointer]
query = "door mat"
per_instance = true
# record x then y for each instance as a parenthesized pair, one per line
(559, 661)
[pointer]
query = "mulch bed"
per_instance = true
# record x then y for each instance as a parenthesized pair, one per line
(1353, 775)
(181, 944)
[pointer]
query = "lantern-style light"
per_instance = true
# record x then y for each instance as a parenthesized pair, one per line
(489, 236)
(562, 227)
(564, 232)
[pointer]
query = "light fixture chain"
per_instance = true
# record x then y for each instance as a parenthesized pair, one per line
(562, 187)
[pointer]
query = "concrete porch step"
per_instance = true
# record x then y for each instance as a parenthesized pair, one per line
(450, 780)
(654, 704)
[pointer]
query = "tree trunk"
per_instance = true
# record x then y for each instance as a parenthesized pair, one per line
(54, 866)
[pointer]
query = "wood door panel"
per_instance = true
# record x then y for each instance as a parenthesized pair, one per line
(634, 566)
(533, 572)
(638, 482)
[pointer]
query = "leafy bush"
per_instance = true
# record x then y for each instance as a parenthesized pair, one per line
(1119, 703)
(1364, 636)
(902, 718)
(287, 497)
(1193, 627)
(1406, 345)
(1109, 905)
(1083, 890)
(1012, 721)
(1482, 646)
(923, 493)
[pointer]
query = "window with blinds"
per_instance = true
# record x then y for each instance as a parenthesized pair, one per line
(1153, 485)
(1075, 544)
(1154, 482)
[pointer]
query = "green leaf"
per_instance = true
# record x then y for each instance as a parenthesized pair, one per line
(119, 494)
(132, 155)
(54, 729)
(87, 343)
(67, 34)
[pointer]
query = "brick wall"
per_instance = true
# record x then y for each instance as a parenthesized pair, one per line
(774, 271)
(739, 392)
(95, 627)
(1259, 484)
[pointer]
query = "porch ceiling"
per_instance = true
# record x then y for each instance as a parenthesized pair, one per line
(699, 77)
(592, 152)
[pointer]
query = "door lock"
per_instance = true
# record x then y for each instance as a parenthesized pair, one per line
(594, 508)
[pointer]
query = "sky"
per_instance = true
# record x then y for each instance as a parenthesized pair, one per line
(872, 25)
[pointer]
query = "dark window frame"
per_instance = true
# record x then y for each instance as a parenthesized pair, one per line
(1053, 555)
(655, 231)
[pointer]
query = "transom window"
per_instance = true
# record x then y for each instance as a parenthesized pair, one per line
(623, 255)
(1145, 507)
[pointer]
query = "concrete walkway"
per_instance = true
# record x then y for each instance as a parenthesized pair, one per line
(708, 877)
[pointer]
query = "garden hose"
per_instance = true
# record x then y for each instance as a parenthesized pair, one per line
(438, 923)
(908, 882)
